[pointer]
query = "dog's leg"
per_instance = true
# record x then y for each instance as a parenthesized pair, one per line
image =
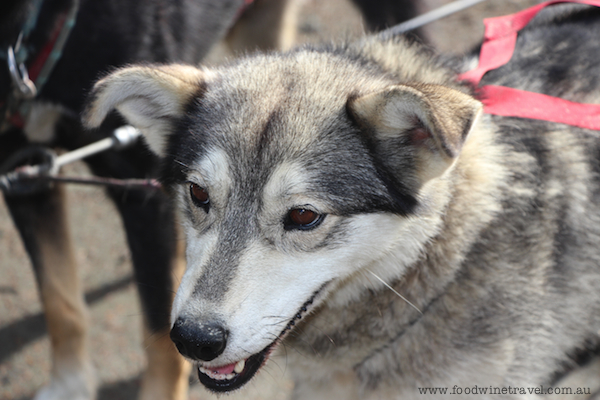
(42, 222)
(265, 25)
(149, 223)
(167, 373)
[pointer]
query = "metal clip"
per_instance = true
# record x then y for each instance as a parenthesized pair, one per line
(33, 164)
(25, 88)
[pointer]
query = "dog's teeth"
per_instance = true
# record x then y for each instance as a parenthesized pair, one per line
(239, 367)
(217, 376)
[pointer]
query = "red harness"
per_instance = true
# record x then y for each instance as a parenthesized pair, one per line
(497, 49)
(38, 69)
(16, 119)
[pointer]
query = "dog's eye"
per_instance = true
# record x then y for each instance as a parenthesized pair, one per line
(303, 219)
(199, 196)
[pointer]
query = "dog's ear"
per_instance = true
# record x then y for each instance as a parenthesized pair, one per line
(428, 123)
(150, 98)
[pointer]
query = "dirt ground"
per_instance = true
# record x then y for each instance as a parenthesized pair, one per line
(105, 263)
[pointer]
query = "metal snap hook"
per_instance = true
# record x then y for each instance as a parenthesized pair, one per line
(25, 88)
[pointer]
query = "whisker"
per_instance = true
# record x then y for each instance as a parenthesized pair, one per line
(275, 363)
(153, 338)
(394, 290)
(278, 320)
(181, 163)
(298, 335)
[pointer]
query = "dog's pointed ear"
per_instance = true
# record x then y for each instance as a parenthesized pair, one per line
(150, 98)
(432, 121)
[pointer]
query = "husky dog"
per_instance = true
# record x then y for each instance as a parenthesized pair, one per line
(354, 204)
(106, 34)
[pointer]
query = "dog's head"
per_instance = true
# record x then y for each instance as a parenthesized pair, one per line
(296, 177)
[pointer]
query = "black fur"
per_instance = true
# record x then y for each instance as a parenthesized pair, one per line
(381, 14)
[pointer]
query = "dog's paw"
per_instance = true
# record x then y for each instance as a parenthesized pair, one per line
(72, 384)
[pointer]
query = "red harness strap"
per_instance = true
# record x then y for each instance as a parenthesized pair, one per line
(498, 46)
(15, 118)
(35, 67)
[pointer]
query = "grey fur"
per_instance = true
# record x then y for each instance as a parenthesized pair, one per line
(504, 213)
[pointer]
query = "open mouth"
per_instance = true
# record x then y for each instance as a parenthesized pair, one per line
(235, 375)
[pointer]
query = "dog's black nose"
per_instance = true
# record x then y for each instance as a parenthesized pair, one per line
(199, 341)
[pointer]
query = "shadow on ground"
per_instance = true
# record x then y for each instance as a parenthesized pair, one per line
(17, 335)
(125, 389)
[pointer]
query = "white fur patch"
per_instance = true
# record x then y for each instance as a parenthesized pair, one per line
(41, 122)
(197, 254)
(70, 381)
(287, 179)
(214, 170)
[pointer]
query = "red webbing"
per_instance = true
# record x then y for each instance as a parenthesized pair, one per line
(35, 67)
(497, 49)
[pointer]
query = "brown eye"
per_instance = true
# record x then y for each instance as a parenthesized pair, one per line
(199, 196)
(302, 218)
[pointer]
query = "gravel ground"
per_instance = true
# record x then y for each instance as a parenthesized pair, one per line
(105, 263)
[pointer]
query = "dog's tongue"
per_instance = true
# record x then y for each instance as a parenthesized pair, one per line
(225, 369)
